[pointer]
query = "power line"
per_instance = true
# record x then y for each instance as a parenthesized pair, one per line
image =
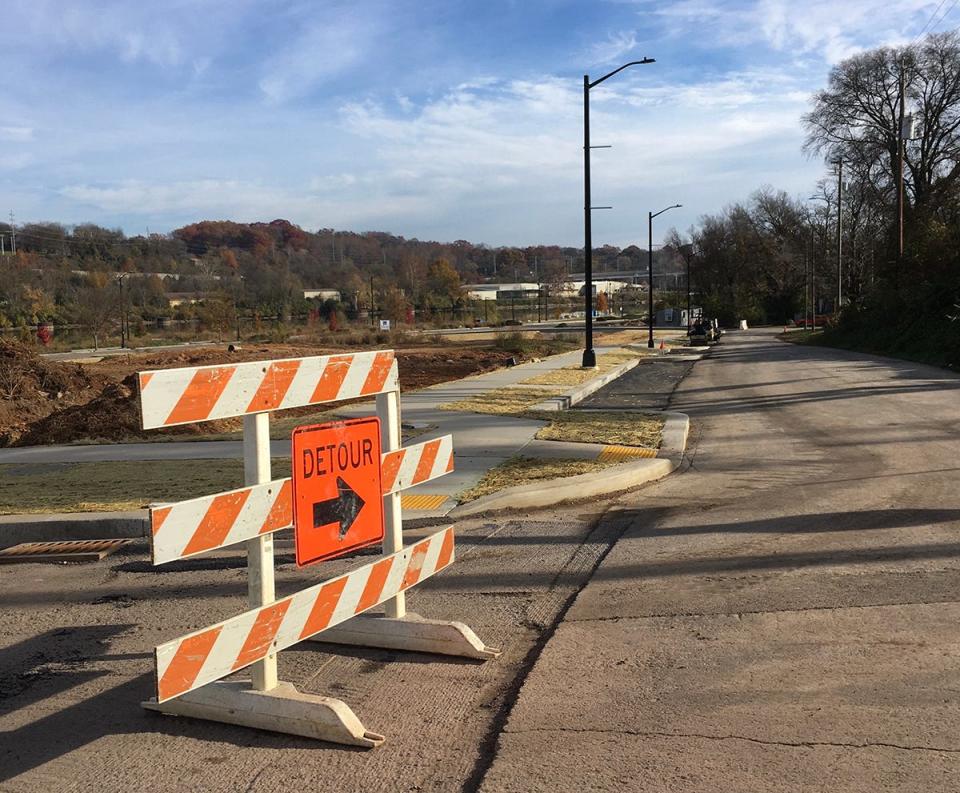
(933, 16)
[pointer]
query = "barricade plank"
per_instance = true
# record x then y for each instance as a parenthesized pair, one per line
(169, 397)
(207, 655)
(198, 525)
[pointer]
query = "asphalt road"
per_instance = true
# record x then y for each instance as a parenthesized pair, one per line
(780, 616)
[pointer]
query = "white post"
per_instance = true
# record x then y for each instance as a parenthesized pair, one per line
(260, 587)
(388, 411)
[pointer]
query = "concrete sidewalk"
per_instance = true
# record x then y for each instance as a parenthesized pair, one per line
(481, 442)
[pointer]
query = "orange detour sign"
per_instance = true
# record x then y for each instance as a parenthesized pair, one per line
(337, 496)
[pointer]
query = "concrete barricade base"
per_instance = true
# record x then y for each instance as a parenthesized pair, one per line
(410, 632)
(281, 709)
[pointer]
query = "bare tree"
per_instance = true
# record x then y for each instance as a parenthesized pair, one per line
(858, 116)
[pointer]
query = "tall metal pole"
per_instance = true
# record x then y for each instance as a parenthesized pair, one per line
(839, 235)
(900, 155)
(689, 257)
(650, 279)
(589, 356)
(650, 217)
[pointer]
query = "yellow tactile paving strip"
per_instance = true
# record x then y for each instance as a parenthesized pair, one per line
(613, 454)
(421, 501)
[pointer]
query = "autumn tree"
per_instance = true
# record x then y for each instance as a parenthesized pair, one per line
(219, 312)
(97, 306)
(395, 305)
(443, 286)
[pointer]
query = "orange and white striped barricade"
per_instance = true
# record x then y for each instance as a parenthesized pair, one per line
(189, 669)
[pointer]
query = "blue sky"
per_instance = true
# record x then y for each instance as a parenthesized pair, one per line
(438, 120)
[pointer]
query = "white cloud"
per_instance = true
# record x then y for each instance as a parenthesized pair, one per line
(16, 134)
(614, 48)
(209, 198)
(830, 29)
(330, 45)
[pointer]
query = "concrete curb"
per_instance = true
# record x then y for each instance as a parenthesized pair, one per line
(578, 394)
(15, 529)
(615, 479)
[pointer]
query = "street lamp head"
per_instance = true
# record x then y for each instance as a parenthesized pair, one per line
(665, 209)
(586, 79)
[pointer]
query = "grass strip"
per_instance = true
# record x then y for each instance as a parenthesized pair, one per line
(523, 470)
(42, 488)
(586, 426)
(575, 375)
(504, 401)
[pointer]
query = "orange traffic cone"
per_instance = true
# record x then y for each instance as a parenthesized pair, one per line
(661, 344)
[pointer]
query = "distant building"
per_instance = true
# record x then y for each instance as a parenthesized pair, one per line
(186, 298)
(598, 286)
(321, 294)
(528, 291)
(519, 291)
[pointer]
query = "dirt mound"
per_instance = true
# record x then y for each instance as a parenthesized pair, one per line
(419, 370)
(65, 403)
(32, 388)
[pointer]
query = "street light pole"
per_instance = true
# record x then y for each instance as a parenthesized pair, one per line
(650, 217)
(589, 356)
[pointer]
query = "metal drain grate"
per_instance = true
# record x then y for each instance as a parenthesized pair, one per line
(65, 551)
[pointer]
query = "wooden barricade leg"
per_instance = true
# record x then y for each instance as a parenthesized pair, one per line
(260, 583)
(267, 703)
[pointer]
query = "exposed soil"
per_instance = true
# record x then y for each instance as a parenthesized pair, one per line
(32, 388)
(64, 403)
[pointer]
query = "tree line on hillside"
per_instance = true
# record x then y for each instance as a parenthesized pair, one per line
(82, 274)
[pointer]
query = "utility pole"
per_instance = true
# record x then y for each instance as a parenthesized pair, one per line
(536, 266)
(13, 234)
(372, 303)
(900, 157)
(813, 288)
(839, 236)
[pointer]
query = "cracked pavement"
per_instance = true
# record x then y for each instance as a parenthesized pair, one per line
(781, 614)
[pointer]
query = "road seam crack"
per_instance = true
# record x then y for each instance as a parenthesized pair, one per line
(739, 614)
(760, 741)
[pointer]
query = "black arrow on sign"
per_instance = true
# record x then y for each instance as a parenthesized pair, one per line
(343, 509)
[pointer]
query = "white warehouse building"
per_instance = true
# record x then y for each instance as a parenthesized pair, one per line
(528, 291)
